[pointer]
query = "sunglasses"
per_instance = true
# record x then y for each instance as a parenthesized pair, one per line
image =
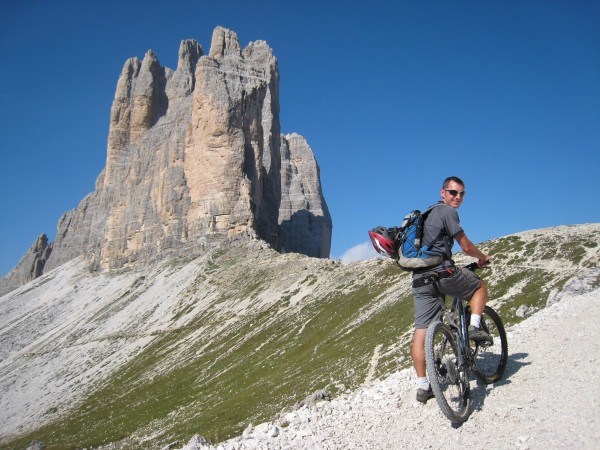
(454, 193)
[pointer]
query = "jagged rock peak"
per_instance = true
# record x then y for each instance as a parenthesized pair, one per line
(224, 43)
(196, 159)
(30, 267)
(189, 54)
(150, 57)
(131, 68)
(303, 213)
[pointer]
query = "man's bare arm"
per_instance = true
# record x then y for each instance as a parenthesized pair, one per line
(471, 249)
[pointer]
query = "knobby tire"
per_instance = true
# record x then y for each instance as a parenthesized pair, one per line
(449, 383)
(490, 360)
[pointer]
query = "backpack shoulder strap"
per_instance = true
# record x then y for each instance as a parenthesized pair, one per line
(421, 225)
(435, 205)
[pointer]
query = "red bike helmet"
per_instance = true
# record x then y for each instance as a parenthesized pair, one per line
(382, 242)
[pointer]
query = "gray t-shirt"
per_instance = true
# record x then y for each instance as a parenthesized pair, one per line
(442, 224)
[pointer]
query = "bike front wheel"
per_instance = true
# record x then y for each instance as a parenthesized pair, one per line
(449, 382)
(490, 358)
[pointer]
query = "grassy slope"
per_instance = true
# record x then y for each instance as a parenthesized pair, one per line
(320, 332)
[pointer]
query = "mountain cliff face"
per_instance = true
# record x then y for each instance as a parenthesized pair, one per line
(145, 357)
(196, 158)
(30, 267)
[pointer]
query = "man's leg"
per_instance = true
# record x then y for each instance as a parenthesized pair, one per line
(424, 391)
(465, 284)
(479, 299)
(477, 304)
(427, 304)
(418, 352)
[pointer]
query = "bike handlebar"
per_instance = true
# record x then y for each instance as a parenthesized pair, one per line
(473, 266)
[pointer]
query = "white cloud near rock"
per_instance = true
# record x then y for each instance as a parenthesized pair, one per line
(359, 252)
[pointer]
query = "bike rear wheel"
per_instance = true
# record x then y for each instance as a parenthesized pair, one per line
(490, 359)
(448, 381)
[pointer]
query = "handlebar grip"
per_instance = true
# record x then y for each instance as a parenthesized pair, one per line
(472, 267)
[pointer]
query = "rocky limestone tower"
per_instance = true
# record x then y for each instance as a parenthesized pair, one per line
(195, 158)
(303, 215)
(30, 267)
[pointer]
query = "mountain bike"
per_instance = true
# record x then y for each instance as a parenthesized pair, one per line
(451, 357)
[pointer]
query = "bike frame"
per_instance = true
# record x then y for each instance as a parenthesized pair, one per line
(450, 317)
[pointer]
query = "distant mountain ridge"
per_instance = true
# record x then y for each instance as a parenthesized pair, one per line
(195, 158)
(211, 343)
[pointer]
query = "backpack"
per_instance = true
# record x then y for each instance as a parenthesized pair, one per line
(404, 243)
(413, 254)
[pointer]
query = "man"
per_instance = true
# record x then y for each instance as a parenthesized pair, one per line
(442, 228)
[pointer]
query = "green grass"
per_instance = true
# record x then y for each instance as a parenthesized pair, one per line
(536, 287)
(242, 377)
(504, 249)
(271, 358)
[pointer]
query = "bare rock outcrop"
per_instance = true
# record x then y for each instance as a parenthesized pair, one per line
(195, 158)
(303, 214)
(30, 267)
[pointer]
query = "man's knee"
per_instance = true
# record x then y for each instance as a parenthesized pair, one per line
(483, 289)
(420, 334)
(419, 339)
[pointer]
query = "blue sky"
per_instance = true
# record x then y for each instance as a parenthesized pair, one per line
(391, 96)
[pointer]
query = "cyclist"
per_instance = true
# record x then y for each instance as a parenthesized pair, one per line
(442, 228)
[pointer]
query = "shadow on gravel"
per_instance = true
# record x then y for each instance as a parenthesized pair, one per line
(481, 390)
(513, 365)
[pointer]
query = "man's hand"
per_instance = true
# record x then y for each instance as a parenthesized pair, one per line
(484, 262)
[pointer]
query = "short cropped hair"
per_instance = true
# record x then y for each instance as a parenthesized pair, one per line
(455, 179)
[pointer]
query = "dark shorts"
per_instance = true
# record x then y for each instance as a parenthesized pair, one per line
(428, 300)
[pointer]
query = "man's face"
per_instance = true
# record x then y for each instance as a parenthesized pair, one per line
(453, 200)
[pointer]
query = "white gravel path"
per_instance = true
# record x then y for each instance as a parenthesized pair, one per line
(548, 398)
